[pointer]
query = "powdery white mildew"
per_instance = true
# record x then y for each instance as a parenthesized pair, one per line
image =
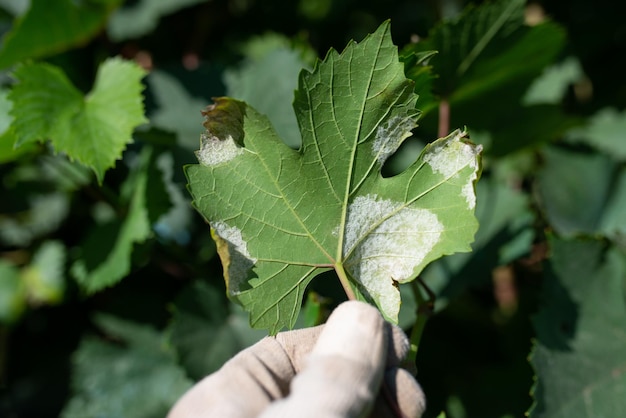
(240, 260)
(387, 242)
(450, 156)
(214, 150)
(389, 137)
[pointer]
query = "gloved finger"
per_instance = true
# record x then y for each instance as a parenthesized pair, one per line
(398, 344)
(243, 387)
(400, 396)
(341, 377)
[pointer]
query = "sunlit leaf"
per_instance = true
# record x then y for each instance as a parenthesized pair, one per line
(93, 129)
(282, 216)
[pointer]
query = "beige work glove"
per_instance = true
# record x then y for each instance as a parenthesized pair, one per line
(347, 368)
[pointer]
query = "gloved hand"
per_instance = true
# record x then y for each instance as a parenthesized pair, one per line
(347, 368)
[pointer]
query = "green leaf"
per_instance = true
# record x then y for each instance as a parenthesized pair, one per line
(605, 131)
(574, 188)
(93, 129)
(175, 222)
(49, 28)
(12, 293)
(106, 253)
(473, 48)
(613, 222)
(142, 17)
(177, 110)
(8, 152)
(418, 69)
(282, 216)
(551, 86)
(44, 278)
(267, 83)
(206, 332)
(44, 214)
(139, 378)
(505, 234)
(580, 352)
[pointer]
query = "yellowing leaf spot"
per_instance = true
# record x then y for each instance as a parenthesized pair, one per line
(214, 150)
(233, 251)
(451, 156)
(385, 242)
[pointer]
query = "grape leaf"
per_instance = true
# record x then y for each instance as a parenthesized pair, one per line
(92, 129)
(280, 216)
(142, 17)
(206, 332)
(12, 293)
(603, 131)
(580, 352)
(44, 277)
(48, 28)
(177, 110)
(106, 253)
(568, 178)
(139, 378)
(267, 83)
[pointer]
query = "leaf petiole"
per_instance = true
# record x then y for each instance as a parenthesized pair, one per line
(425, 309)
(345, 282)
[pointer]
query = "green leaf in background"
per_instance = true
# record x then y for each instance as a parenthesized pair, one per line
(44, 215)
(45, 30)
(106, 253)
(474, 36)
(12, 293)
(206, 332)
(138, 378)
(604, 131)
(613, 222)
(141, 17)
(551, 86)
(282, 216)
(266, 81)
(418, 69)
(44, 278)
(93, 129)
(505, 234)
(574, 189)
(580, 352)
(175, 222)
(177, 109)
(7, 137)
(488, 56)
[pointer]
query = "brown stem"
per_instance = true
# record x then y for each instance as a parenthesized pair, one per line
(444, 118)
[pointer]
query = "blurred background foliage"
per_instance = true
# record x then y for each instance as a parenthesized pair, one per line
(111, 297)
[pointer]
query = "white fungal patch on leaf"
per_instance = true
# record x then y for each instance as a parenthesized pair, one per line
(214, 150)
(240, 261)
(389, 137)
(449, 156)
(385, 242)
